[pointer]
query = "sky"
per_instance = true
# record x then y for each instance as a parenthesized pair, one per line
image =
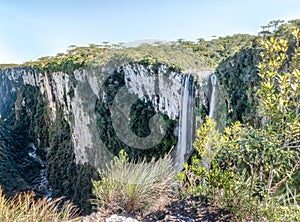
(34, 28)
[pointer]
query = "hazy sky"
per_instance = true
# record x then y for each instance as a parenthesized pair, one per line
(33, 28)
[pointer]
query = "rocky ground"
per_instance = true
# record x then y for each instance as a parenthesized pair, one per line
(188, 210)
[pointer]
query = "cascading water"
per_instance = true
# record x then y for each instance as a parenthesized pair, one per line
(206, 160)
(213, 80)
(186, 123)
(41, 183)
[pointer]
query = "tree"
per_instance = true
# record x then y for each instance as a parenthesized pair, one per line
(279, 98)
(275, 23)
(280, 87)
(200, 40)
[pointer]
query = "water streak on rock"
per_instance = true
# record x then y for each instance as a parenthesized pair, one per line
(186, 123)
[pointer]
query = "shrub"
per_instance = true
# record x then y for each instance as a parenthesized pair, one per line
(134, 188)
(242, 171)
(23, 208)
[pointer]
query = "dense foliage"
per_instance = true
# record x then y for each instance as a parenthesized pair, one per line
(239, 80)
(251, 171)
(182, 54)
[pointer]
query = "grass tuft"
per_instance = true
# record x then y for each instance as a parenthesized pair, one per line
(25, 208)
(134, 188)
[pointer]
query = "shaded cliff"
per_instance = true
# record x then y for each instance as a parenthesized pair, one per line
(237, 83)
(21, 115)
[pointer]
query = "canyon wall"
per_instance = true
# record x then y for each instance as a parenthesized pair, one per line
(67, 116)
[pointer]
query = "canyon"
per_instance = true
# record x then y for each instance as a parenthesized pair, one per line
(70, 124)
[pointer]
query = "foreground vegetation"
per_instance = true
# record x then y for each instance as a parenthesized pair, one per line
(134, 188)
(25, 208)
(253, 171)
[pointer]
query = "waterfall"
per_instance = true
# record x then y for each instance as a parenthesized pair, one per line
(41, 183)
(206, 160)
(185, 130)
(213, 80)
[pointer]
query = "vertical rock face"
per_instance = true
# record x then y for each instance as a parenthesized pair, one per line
(172, 93)
(64, 118)
(162, 86)
(10, 82)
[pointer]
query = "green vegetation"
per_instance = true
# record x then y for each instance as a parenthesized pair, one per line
(175, 55)
(17, 169)
(184, 55)
(251, 171)
(24, 208)
(239, 80)
(9, 66)
(216, 50)
(134, 188)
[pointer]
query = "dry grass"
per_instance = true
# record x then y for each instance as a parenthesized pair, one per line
(134, 188)
(25, 208)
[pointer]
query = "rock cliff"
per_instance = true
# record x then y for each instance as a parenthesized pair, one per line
(68, 117)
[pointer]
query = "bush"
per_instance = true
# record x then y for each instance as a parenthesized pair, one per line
(23, 208)
(237, 172)
(134, 188)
